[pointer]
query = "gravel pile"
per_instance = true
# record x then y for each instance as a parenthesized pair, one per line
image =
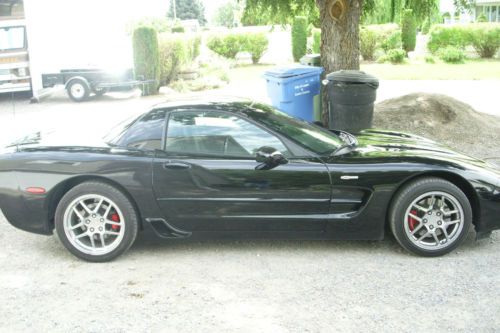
(443, 119)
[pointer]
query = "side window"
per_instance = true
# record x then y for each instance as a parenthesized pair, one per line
(217, 133)
(145, 133)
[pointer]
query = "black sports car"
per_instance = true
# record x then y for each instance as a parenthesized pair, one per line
(243, 169)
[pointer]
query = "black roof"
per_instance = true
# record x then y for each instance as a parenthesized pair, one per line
(229, 103)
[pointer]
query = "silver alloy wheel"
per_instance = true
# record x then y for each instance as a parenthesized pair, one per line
(77, 90)
(94, 224)
(434, 220)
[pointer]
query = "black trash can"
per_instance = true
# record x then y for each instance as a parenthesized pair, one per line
(311, 60)
(351, 96)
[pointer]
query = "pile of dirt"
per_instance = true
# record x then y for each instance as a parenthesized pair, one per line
(443, 119)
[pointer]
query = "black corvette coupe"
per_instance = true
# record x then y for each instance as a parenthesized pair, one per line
(242, 169)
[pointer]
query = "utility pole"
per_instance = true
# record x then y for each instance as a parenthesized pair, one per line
(175, 13)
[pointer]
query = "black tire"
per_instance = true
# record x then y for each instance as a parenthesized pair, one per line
(402, 203)
(118, 198)
(84, 88)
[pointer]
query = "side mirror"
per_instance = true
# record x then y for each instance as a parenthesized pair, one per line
(269, 158)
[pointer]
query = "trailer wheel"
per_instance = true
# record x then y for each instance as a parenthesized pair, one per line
(78, 90)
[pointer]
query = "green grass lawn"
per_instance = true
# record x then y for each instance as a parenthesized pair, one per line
(470, 70)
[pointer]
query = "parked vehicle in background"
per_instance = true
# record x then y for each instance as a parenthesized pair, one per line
(14, 58)
(79, 83)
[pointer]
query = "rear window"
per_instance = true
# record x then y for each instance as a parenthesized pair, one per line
(145, 133)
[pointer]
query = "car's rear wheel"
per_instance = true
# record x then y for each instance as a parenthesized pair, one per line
(430, 217)
(96, 222)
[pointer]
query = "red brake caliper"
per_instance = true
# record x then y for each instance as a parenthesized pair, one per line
(412, 223)
(115, 218)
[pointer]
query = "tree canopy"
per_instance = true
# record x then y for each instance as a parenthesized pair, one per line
(188, 10)
(374, 11)
(224, 15)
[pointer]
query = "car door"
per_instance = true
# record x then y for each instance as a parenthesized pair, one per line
(206, 178)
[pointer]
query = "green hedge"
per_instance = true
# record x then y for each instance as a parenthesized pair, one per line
(316, 34)
(452, 55)
(299, 37)
(178, 29)
(426, 26)
(484, 37)
(408, 30)
(147, 56)
(176, 50)
(368, 43)
(230, 45)
(388, 35)
(256, 44)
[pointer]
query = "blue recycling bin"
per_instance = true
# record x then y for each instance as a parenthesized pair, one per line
(296, 90)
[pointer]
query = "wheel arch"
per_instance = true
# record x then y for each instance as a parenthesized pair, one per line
(61, 189)
(77, 78)
(453, 178)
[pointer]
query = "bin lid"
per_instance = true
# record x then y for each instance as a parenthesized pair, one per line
(352, 76)
(290, 71)
(312, 56)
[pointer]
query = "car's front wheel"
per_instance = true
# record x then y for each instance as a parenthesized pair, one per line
(96, 222)
(430, 217)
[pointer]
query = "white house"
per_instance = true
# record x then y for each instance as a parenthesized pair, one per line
(490, 8)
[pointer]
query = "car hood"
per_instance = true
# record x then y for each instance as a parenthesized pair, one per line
(402, 146)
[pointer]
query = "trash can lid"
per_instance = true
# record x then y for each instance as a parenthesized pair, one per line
(284, 72)
(352, 76)
(312, 56)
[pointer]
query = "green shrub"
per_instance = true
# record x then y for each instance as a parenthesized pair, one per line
(426, 26)
(388, 35)
(178, 29)
(368, 43)
(227, 46)
(429, 59)
(485, 38)
(299, 37)
(194, 46)
(147, 57)
(482, 18)
(452, 55)
(230, 45)
(316, 40)
(174, 53)
(255, 44)
(408, 30)
(442, 36)
(396, 56)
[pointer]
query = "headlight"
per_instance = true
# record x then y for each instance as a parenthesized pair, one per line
(22, 72)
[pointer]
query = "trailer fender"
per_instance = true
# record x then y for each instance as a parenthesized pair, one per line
(77, 78)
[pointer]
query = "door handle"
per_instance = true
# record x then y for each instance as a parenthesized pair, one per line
(176, 165)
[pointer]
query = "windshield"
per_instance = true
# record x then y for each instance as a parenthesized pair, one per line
(116, 133)
(312, 137)
(11, 38)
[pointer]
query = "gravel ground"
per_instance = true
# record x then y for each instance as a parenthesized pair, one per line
(261, 286)
(264, 286)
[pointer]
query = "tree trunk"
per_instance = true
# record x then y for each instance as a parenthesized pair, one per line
(339, 40)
